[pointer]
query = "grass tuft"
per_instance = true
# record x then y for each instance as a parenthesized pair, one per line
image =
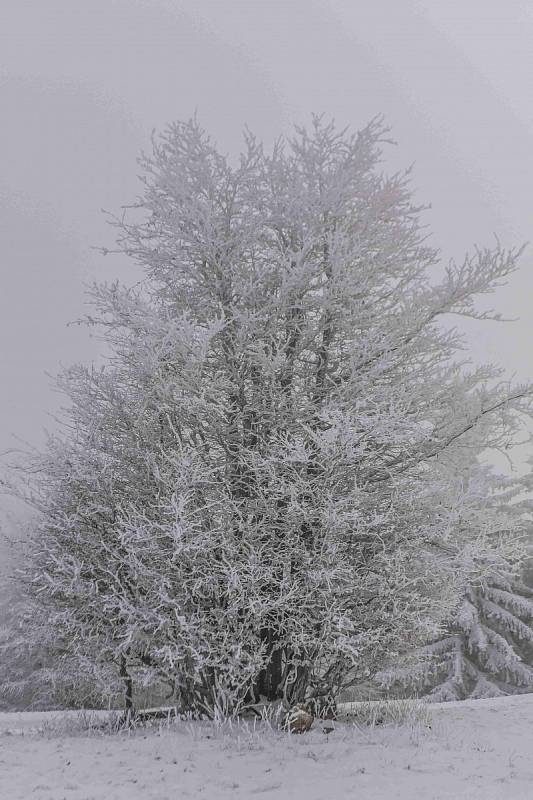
(372, 713)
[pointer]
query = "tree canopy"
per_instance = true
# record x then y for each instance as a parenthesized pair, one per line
(274, 481)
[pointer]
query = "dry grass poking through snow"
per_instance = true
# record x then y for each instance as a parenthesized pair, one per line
(387, 712)
(383, 751)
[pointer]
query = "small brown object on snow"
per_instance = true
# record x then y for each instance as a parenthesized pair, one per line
(299, 720)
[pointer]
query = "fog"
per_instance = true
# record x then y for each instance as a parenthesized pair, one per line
(84, 83)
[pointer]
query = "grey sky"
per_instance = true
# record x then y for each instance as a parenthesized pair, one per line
(83, 83)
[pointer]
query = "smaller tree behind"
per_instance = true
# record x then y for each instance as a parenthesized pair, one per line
(487, 650)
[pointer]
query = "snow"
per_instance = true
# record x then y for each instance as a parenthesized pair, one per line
(471, 750)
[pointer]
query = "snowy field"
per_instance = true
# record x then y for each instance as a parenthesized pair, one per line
(475, 750)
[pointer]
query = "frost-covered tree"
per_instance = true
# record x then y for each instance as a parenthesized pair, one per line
(37, 668)
(487, 650)
(38, 671)
(265, 489)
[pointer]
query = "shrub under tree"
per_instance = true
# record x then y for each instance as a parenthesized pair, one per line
(273, 481)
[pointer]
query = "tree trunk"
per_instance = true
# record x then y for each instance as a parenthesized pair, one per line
(128, 686)
(269, 679)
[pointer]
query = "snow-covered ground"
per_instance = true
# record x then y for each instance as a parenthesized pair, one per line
(468, 751)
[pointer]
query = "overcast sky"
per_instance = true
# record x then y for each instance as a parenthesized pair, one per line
(84, 82)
